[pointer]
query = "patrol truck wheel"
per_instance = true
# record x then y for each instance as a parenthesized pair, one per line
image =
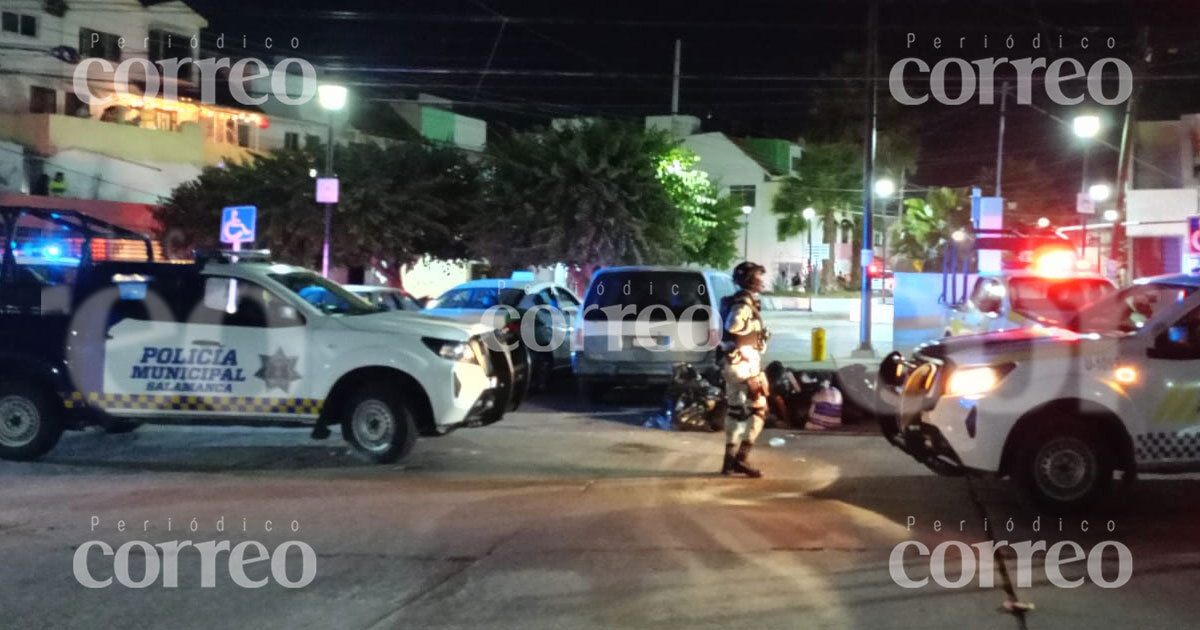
(379, 424)
(1065, 470)
(30, 423)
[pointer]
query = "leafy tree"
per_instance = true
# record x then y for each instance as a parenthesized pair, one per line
(828, 180)
(398, 202)
(584, 195)
(920, 234)
(708, 224)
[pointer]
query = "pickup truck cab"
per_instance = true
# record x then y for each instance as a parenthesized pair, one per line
(238, 339)
(1060, 409)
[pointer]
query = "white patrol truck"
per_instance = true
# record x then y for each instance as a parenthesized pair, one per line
(1060, 409)
(241, 341)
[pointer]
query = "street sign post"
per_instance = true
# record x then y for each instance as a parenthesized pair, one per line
(238, 225)
(1084, 204)
(1194, 235)
(327, 190)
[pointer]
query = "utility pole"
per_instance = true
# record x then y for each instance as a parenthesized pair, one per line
(675, 80)
(1000, 142)
(1120, 232)
(865, 351)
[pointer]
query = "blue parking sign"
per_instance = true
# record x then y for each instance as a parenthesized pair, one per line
(238, 224)
(1194, 235)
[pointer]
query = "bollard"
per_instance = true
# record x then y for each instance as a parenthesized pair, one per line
(818, 344)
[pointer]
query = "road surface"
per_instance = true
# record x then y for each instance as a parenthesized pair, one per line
(558, 517)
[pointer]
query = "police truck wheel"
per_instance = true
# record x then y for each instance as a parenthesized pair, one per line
(1065, 470)
(379, 424)
(30, 421)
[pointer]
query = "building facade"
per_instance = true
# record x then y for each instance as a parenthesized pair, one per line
(1164, 192)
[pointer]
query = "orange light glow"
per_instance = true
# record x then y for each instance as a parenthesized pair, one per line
(1126, 375)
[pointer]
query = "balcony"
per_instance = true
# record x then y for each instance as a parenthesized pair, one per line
(188, 143)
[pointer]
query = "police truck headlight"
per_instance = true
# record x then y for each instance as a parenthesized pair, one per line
(452, 350)
(974, 381)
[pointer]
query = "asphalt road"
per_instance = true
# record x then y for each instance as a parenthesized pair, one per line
(558, 517)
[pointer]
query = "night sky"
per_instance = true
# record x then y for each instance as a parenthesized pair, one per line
(751, 67)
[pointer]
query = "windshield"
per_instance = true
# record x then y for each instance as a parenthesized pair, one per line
(329, 297)
(1129, 309)
(1055, 299)
(478, 298)
(675, 290)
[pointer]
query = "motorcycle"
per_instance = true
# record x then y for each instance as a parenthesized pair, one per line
(693, 399)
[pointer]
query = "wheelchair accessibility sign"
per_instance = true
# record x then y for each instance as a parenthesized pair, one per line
(238, 224)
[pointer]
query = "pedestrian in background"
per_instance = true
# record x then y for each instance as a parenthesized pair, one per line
(58, 185)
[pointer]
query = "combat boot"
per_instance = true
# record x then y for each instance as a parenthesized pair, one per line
(741, 465)
(730, 460)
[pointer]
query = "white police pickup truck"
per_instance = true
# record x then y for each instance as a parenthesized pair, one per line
(241, 341)
(1060, 409)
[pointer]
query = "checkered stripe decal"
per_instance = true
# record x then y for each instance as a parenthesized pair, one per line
(238, 404)
(1156, 446)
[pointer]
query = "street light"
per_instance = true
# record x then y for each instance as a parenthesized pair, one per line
(885, 188)
(332, 98)
(1111, 215)
(1086, 127)
(1043, 223)
(1099, 192)
(809, 215)
(746, 210)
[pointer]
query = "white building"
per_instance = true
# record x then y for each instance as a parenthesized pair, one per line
(1164, 191)
(752, 170)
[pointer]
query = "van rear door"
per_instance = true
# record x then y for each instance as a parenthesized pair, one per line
(648, 317)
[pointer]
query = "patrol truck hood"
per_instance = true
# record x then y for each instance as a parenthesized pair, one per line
(1015, 345)
(413, 324)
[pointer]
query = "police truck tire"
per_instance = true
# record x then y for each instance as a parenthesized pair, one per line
(30, 421)
(1065, 469)
(379, 424)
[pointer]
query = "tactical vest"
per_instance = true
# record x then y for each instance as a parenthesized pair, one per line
(728, 304)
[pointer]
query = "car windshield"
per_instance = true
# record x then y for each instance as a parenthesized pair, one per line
(329, 297)
(1129, 309)
(676, 291)
(478, 298)
(1055, 299)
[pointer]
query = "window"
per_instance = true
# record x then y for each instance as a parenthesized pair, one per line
(97, 44)
(478, 298)
(19, 23)
(565, 299)
(42, 100)
(312, 142)
(743, 195)
(168, 45)
(231, 302)
(291, 140)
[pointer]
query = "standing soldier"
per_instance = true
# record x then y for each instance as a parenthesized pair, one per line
(743, 342)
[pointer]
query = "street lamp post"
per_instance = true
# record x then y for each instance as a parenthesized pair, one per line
(332, 98)
(746, 210)
(809, 215)
(1086, 127)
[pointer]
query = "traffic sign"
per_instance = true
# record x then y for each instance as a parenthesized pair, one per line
(327, 190)
(238, 224)
(1194, 235)
(1084, 204)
